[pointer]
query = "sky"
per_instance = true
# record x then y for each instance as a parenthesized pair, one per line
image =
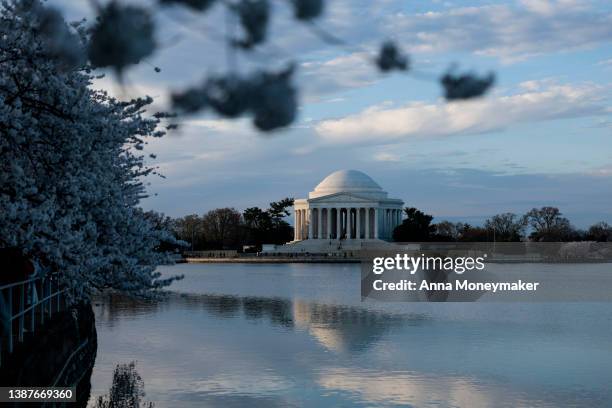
(542, 136)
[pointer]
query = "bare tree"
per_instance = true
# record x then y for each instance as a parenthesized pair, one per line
(601, 232)
(447, 231)
(507, 227)
(548, 224)
(190, 229)
(222, 227)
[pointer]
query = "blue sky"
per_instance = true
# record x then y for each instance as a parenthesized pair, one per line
(543, 136)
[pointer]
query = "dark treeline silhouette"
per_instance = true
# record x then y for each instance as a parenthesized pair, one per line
(227, 228)
(545, 224)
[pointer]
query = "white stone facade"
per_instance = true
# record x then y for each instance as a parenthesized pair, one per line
(347, 205)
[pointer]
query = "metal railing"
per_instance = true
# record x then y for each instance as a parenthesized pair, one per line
(21, 302)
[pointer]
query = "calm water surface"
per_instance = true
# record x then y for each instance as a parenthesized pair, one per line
(298, 335)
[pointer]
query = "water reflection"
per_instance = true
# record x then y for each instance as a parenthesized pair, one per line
(338, 328)
(287, 336)
(407, 389)
(348, 328)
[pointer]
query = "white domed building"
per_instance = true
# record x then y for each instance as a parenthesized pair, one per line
(346, 206)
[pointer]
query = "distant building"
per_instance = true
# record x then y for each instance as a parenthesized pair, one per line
(347, 204)
(345, 210)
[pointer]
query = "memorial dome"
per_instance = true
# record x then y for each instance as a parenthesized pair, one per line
(348, 181)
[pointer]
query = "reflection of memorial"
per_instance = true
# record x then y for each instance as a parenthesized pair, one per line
(337, 328)
(345, 328)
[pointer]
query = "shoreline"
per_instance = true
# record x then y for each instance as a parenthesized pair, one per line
(323, 260)
(279, 260)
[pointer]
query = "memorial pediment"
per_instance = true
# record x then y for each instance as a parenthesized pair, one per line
(341, 197)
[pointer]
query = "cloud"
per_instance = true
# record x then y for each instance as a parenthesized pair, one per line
(602, 172)
(509, 32)
(605, 63)
(337, 74)
(235, 126)
(532, 104)
(386, 157)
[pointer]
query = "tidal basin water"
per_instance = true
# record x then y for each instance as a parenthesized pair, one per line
(251, 335)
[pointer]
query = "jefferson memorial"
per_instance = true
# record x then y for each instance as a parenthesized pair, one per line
(348, 208)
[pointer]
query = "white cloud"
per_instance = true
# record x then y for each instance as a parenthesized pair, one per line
(386, 157)
(509, 32)
(601, 172)
(336, 74)
(234, 126)
(605, 63)
(380, 125)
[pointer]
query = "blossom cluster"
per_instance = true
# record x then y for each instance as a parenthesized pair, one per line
(70, 174)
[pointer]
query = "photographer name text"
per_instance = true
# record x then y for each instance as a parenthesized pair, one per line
(450, 264)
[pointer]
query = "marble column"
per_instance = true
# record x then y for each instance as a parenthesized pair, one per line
(338, 222)
(387, 222)
(367, 223)
(376, 223)
(309, 223)
(395, 223)
(343, 227)
(319, 224)
(358, 223)
(329, 226)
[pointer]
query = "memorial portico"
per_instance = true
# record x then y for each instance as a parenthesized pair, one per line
(347, 205)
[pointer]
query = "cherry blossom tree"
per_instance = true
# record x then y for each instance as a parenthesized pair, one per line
(71, 172)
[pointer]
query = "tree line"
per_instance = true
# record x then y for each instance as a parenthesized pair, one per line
(228, 228)
(545, 224)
